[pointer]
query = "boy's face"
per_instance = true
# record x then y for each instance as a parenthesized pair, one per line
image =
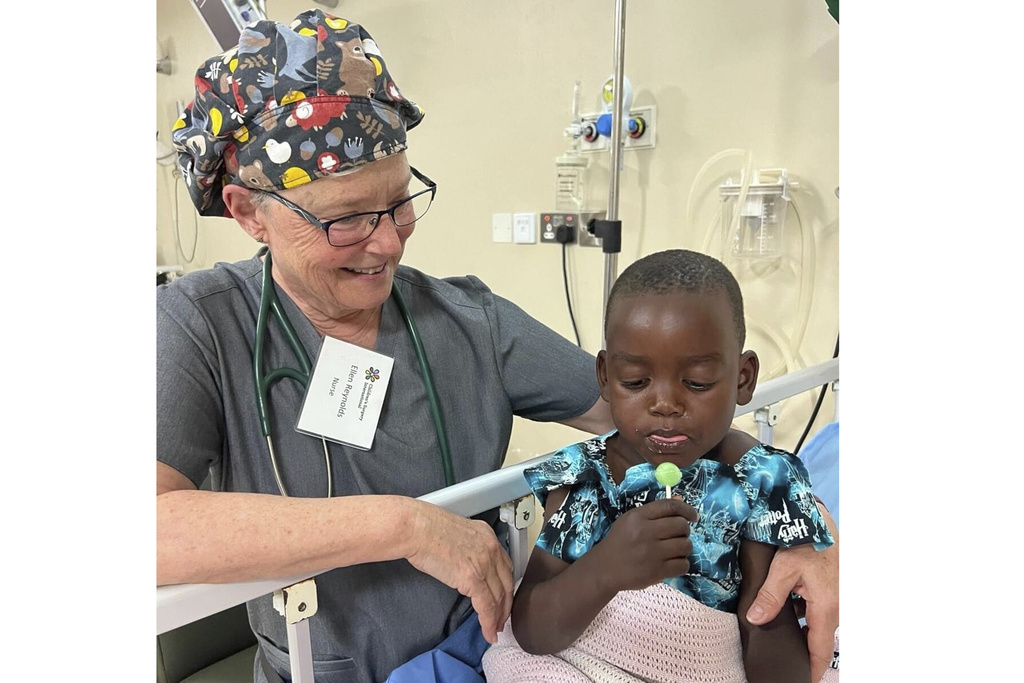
(673, 374)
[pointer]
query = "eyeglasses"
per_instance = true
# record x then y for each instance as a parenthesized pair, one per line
(356, 227)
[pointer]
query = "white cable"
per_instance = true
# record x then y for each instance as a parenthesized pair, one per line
(744, 188)
(177, 231)
(700, 175)
(790, 361)
(792, 358)
(807, 263)
(710, 232)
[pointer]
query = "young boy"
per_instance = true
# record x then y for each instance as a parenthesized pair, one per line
(623, 577)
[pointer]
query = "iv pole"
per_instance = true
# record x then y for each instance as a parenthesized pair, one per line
(610, 230)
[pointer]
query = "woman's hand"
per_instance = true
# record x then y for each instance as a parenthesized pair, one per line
(465, 555)
(647, 544)
(815, 577)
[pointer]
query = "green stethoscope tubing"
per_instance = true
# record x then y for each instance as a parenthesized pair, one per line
(271, 305)
(428, 383)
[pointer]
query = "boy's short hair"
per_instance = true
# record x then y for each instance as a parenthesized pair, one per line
(680, 270)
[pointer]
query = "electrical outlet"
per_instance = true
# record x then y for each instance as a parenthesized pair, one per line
(550, 222)
(586, 239)
(501, 227)
(524, 228)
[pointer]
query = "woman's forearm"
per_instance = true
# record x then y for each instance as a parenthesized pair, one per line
(216, 537)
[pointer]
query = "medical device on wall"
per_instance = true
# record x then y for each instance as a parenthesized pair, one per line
(632, 126)
(594, 130)
(593, 133)
(571, 167)
(754, 213)
(570, 181)
(225, 19)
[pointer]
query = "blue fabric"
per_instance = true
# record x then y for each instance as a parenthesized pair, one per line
(764, 497)
(821, 457)
(456, 660)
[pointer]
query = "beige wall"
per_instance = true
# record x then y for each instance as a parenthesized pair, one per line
(495, 79)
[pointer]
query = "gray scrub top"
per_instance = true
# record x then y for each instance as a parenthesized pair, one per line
(490, 361)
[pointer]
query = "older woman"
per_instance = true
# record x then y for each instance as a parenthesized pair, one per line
(299, 134)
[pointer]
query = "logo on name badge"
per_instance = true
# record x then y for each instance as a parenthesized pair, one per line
(372, 374)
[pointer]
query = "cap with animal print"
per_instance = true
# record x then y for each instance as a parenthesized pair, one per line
(289, 104)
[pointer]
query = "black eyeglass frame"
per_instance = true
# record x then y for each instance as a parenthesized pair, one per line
(375, 215)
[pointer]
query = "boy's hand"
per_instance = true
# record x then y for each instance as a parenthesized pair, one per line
(648, 544)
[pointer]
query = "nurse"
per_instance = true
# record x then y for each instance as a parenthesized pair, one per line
(299, 134)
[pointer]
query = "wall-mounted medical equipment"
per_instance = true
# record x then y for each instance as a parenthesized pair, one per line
(632, 126)
(594, 131)
(754, 213)
(570, 181)
(571, 167)
(225, 19)
(570, 186)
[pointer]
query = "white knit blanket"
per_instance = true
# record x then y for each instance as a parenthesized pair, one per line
(657, 635)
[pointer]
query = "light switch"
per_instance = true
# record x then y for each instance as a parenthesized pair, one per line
(501, 227)
(524, 228)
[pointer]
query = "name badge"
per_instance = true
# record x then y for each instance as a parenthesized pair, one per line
(345, 394)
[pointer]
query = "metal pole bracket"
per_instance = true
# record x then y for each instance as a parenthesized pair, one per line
(768, 415)
(610, 233)
(296, 602)
(518, 513)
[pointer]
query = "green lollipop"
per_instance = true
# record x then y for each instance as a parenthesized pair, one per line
(668, 475)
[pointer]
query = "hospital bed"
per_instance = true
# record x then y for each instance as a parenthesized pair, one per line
(221, 607)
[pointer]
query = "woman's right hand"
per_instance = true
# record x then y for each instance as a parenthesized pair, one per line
(465, 555)
(647, 544)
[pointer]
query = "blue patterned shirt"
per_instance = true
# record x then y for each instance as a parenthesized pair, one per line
(764, 497)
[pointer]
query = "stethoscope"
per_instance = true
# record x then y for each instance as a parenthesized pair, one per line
(269, 303)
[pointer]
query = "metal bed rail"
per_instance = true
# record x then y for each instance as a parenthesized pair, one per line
(506, 489)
